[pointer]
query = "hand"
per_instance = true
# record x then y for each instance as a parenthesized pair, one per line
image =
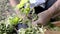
(45, 16)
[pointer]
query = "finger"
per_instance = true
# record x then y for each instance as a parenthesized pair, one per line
(56, 23)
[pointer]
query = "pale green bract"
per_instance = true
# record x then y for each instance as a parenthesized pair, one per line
(21, 4)
(14, 20)
(26, 8)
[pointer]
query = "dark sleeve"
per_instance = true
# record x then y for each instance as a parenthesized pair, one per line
(49, 3)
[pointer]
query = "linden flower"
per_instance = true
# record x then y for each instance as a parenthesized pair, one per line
(42, 30)
(21, 31)
(4, 33)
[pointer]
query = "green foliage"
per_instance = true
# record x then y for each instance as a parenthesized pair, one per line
(9, 26)
(26, 5)
(21, 4)
(25, 10)
(32, 30)
(5, 29)
(14, 20)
